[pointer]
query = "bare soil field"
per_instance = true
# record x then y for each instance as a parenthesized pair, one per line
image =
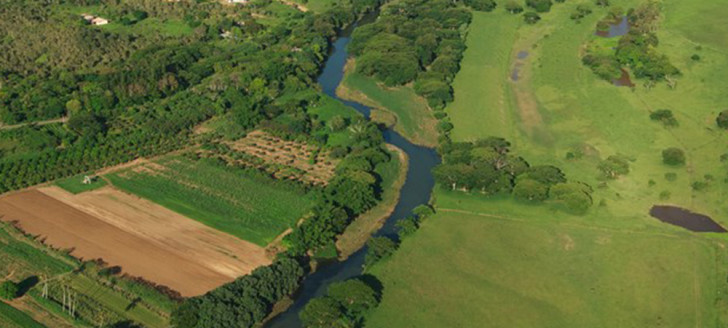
(143, 238)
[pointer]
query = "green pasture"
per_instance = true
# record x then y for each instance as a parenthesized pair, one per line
(25, 258)
(474, 268)
(220, 198)
(11, 317)
(572, 110)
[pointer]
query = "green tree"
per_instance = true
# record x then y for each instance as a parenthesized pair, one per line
(540, 6)
(531, 190)
(354, 296)
(614, 166)
(323, 312)
(673, 156)
(378, 249)
(513, 7)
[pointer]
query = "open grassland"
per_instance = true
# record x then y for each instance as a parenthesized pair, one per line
(144, 239)
(223, 199)
(471, 268)
(559, 106)
(13, 318)
(413, 118)
(496, 262)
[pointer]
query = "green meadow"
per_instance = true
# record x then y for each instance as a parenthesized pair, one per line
(412, 117)
(217, 197)
(13, 318)
(75, 183)
(492, 261)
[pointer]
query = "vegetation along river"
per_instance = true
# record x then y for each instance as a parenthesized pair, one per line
(416, 190)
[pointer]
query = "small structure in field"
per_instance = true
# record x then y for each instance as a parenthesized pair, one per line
(94, 20)
(87, 180)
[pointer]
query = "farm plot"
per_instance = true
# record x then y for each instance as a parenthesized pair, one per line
(218, 196)
(144, 239)
(286, 159)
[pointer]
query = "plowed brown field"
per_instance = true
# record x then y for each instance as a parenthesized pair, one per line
(143, 238)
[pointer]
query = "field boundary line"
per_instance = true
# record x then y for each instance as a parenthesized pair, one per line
(523, 220)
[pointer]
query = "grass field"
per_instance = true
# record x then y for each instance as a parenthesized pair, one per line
(25, 258)
(496, 261)
(75, 184)
(222, 199)
(13, 318)
(559, 106)
(472, 269)
(414, 118)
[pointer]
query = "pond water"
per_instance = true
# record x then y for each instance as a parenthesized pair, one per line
(683, 218)
(416, 190)
(616, 30)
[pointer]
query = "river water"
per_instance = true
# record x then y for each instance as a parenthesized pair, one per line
(416, 191)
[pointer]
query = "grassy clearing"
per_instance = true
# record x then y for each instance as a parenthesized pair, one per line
(75, 184)
(414, 118)
(328, 108)
(465, 268)
(215, 196)
(13, 318)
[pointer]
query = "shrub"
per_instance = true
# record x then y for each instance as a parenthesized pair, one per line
(540, 6)
(722, 119)
(531, 18)
(481, 5)
(664, 116)
(670, 176)
(602, 3)
(673, 156)
(530, 190)
(614, 166)
(379, 248)
(8, 290)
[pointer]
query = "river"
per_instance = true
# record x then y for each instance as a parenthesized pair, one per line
(416, 190)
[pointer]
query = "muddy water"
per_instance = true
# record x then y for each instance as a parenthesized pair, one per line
(615, 30)
(516, 73)
(416, 191)
(683, 218)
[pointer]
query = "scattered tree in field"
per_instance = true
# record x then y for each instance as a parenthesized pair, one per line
(602, 3)
(513, 7)
(531, 17)
(540, 6)
(665, 117)
(8, 290)
(379, 248)
(423, 211)
(673, 156)
(337, 123)
(581, 12)
(722, 119)
(614, 166)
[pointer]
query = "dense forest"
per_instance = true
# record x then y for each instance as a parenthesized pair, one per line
(414, 41)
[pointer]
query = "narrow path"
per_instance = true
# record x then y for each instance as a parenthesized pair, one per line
(38, 123)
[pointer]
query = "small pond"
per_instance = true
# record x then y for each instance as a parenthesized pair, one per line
(683, 218)
(615, 30)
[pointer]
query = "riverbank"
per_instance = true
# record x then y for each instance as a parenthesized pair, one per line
(399, 108)
(364, 226)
